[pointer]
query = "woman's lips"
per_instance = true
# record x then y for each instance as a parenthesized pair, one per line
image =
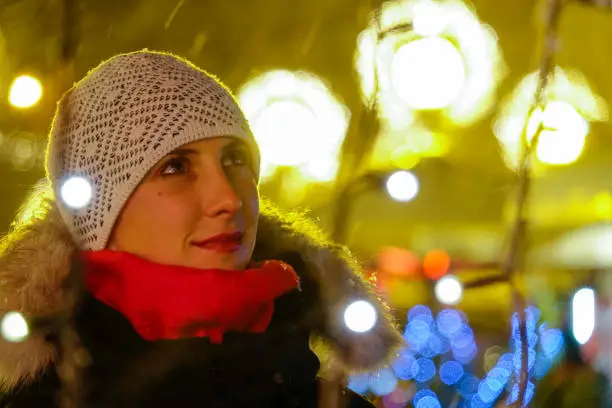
(225, 242)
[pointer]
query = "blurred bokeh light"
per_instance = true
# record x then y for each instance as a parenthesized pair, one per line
(583, 314)
(403, 186)
(25, 91)
(428, 73)
(14, 327)
(571, 105)
(429, 55)
(297, 122)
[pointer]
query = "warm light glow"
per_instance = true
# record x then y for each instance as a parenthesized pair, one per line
(563, 134)
(430, 18)
(297, 122)
(398, 261)
(602, 205)
(360, 316)
(583, 314)
(403, 186)
(14, 327)
(321, 169)
(447, 60)
(287, 144)
(76, 192)
(25, 91)
(572, 106)
(428, 73)
(449, 290)
(436, 264)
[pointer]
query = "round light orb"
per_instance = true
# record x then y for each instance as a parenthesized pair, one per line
(14, 327)
(449, 290)
(76, 192)
(360, 316)
(25, 91)
(403, 186)
(428, 73)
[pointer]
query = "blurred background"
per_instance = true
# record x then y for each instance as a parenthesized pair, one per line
(398, 126)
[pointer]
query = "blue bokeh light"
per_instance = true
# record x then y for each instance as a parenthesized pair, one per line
(417, 332)
(451, 372)
(449, 336)
(422, 312)
(542, 366)
(491, 387)
(515, 333)
(552, 342)
(422, 393)
(517, 361)
(500, 375)
(463, 337)
(529, 392)
(405, 366)
(383, 382)
(505, 361)
(532, 315)
(514, 394)
(432, 347)
(428, 402)
(359, 383)
(468, 385)
(427, 370)
(449, 322)
(465, 354)
(477, 402)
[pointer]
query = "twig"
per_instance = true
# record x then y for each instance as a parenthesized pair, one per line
(515, 257)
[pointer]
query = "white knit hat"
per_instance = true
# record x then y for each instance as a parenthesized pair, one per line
(115, 124)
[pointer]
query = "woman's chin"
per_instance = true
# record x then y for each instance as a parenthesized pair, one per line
(219, 260)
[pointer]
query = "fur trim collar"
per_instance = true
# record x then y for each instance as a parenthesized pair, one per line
(36, 255)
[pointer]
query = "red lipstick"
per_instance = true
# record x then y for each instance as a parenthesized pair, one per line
(226, 242)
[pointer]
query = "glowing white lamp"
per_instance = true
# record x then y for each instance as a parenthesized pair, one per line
(360, 316)
(76, 192)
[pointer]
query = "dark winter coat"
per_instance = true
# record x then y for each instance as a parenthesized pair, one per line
(117, 368)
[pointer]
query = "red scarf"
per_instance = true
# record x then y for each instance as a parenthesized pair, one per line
(170, 302)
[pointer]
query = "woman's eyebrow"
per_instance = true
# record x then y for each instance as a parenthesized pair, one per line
(235, 143)
(183, 152)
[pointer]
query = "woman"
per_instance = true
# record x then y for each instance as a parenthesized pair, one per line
(172, 285)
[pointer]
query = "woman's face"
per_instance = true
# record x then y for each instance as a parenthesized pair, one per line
(198, 207)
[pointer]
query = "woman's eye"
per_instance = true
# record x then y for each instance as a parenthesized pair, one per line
(237, 157)
(175, 166)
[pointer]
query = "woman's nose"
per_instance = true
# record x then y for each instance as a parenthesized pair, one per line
(220, 196)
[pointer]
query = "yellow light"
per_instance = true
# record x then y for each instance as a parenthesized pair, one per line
(428, 73)
(429, 18)
(602, 205)
(25, 92)
(563, 136)
(572, 106)
(322, 169)
(297, 122)
(381, 63)
(404, 149)
(287, 144)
